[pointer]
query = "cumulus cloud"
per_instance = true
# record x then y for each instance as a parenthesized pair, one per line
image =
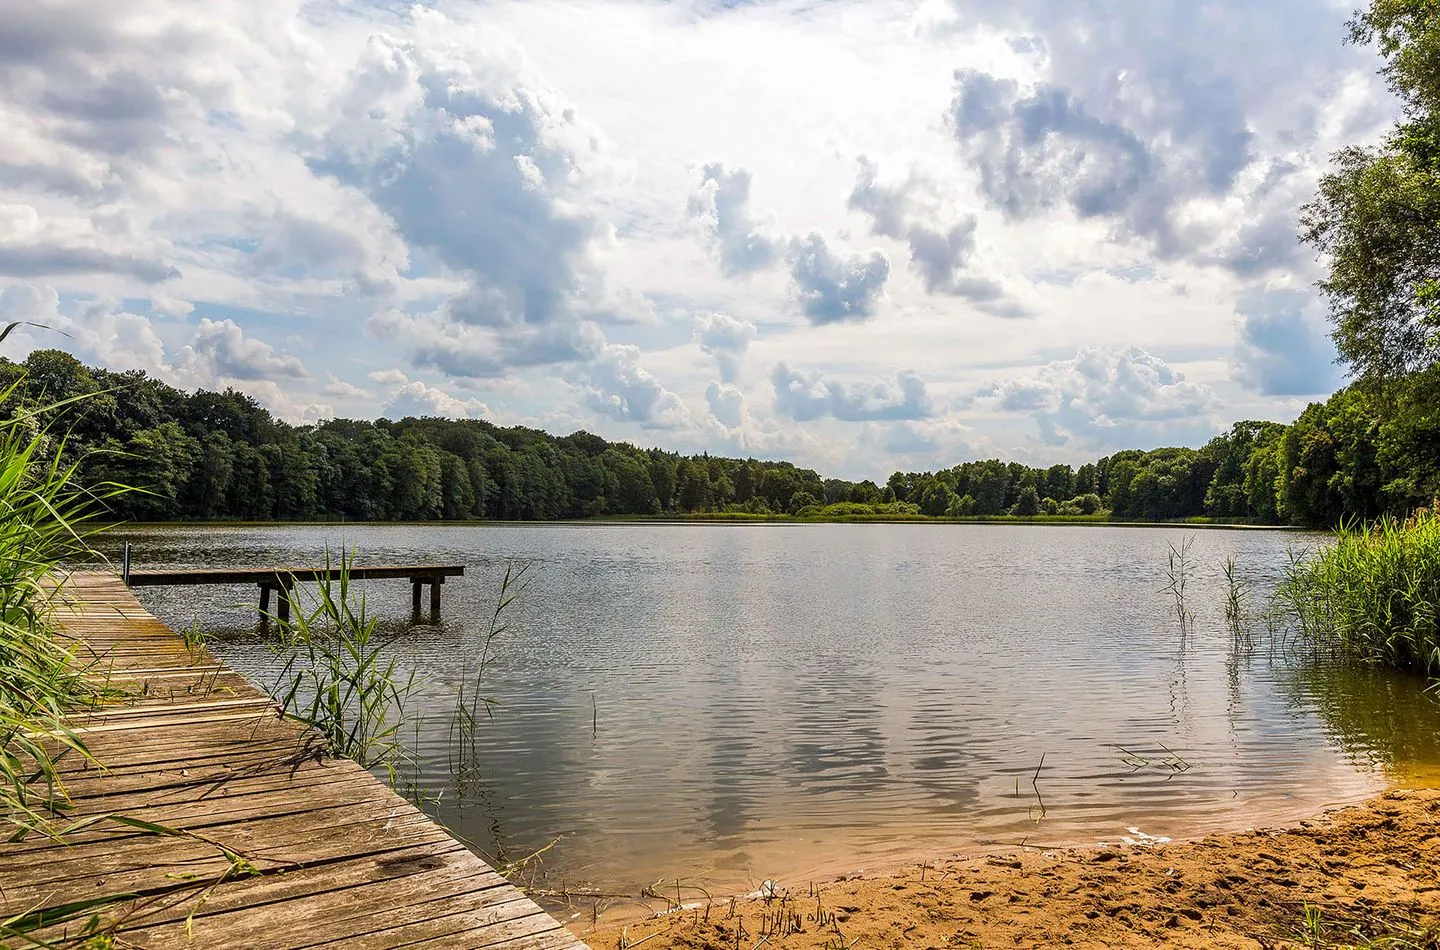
(888, 206)
(1160, 123)
(832, 288)
(807, 396)
(99, 331)
(905, 438)
(739, 240)
(727, 404)
(1283, 349)
(221, 350)
(417, 399)
(427, 185)
(340, 389)
(617, 386)
(153, 139)
(388, 377)
(1038, 149)
(940, 257)
(217, 354)
(34, 247)
(726, 339)
(483, 168)
(1115, 394)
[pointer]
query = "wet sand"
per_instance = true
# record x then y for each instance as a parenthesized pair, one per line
(1351, 876)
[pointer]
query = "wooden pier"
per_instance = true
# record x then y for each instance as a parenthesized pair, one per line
(278, 846)
(283, 580)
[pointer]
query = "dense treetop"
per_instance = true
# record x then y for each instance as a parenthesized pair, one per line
(205, 455)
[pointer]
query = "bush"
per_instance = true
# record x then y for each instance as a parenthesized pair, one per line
(802, 500)
(851, 509)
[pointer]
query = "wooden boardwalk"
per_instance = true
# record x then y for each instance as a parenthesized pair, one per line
(320, 853)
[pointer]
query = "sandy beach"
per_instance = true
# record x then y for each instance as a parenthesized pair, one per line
(1365, 875)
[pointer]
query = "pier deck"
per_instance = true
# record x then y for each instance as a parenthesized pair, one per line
(283, 579)
(278, 845)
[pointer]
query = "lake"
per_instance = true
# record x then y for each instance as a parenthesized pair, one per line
(733, 703)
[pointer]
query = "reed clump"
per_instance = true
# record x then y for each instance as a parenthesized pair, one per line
(1374, 594)
(43, 521)
(338, 678)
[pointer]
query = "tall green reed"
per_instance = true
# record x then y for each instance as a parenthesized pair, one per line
(1177, 573)
(46, 518)
(512, 586)
(1238, 592)
(1374, 594)
(337, 677)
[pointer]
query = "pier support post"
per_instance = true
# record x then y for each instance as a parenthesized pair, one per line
(285, 592)
(264, 598)
(415, 583)
(435, 583)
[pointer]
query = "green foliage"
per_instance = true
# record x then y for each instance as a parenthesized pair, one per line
(221, 455)
(336, 677)
(43, 521)
(1377, 210)
(1375, 593)
(844, 510)
(1360, 454)
(1027, 505)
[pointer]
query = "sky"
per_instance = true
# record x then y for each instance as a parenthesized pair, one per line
(862, 235)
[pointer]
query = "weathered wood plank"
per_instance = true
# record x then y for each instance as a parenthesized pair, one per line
(332, 856)
(282, 576)
(353, 911)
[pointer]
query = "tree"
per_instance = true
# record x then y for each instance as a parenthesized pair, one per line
(989, 488)
(802, 500)
(158, 462)
(936, 499)
(1377, 212)
(1059, 482)
(1027, 503)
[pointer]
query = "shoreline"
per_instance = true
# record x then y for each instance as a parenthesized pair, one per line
(1349, 875)
(735, 519)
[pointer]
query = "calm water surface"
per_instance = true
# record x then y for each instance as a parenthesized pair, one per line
(736, 703)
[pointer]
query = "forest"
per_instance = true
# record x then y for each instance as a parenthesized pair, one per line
(1367, 451)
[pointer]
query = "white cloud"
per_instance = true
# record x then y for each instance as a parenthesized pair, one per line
(941, 253)
(1107, 395)
(727, 404)
(726, 339)
(33, 247)
(806, 396)
(832, 288)
(617, 386)
(482, 167)
(740, 241)
(1284, 349)
(417, 399)
(495, 197)
(99, 331)
(340, 389)
(221, 350)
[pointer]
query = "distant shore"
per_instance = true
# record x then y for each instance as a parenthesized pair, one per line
(1363, 875)
(732, 518)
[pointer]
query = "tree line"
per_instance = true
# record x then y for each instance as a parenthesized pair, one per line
(220, 455)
